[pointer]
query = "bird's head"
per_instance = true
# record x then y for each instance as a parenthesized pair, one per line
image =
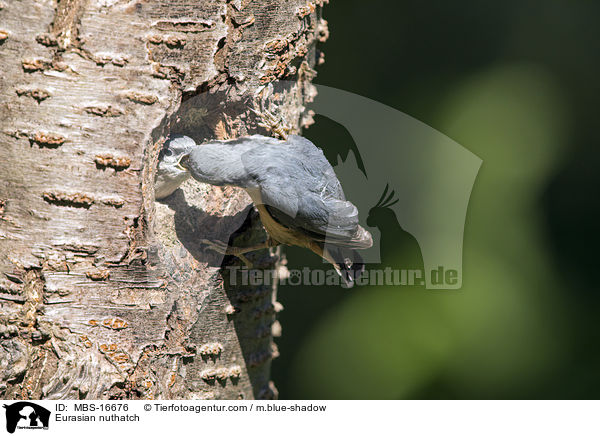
(175, 149)
(171, 173)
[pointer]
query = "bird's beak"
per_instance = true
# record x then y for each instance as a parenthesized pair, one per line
(181, 164)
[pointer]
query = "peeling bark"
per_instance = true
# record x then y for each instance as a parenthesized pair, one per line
(105, 292)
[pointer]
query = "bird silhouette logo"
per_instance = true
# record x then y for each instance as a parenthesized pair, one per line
(430, 174)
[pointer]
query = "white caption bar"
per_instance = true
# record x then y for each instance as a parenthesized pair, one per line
(243, 418)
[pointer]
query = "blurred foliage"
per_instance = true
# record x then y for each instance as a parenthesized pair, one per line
(515, 83)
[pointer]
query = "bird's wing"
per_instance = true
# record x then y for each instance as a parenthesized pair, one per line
(302, 192)
(331, 222)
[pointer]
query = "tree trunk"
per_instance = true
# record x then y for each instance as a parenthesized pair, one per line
(105, 292)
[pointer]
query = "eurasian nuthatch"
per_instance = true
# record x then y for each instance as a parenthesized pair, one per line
(298, 196)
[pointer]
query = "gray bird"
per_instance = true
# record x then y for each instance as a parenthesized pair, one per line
(298, 196)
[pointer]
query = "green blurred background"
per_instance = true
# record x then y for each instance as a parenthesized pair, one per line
(516, 83)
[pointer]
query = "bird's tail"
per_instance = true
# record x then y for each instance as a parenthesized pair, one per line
(347, 262)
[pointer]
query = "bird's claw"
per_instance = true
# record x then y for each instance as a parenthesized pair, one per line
(227, 250)
(272, 123)
(218, 246)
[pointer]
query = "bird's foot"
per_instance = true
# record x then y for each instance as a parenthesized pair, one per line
(272, 122)
(227, 250)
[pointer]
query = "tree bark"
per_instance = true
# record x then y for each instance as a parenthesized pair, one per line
(106, 293)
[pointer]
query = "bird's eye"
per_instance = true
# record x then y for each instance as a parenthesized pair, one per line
(168, 152)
